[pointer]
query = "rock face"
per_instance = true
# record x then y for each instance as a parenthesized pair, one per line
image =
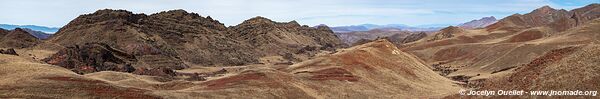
(17, 38)
(483, 22)
(559, 20)
(93, 57)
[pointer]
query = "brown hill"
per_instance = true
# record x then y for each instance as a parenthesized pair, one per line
(25, 78)
(160, 39)
(177, 39)
(353, 37)
(447, 32)
(570, 67)
(271, 38)
(559, 20)
(3, 32)
(486, 54)
(373, 70)
(192, 38)
(17, 38)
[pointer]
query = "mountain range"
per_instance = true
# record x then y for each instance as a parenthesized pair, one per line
(367, 27)
(519, 52)
(32, 27)
(397, 32)
(480, 23)
(179, 54)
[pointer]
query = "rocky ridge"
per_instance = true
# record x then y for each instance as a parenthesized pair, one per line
(557, 19)
(176, 39)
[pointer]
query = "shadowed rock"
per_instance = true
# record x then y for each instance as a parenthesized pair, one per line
(93, 57)
(9, 52)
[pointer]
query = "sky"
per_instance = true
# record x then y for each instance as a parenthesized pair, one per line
(57, 13)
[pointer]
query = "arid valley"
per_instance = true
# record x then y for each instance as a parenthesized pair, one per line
(179, 54)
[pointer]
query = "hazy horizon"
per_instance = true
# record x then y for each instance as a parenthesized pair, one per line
(306, 12)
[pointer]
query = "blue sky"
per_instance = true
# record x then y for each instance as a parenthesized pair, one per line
(57, 13)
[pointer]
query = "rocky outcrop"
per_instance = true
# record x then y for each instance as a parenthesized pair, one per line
(559, 20)
(18, 38)
(93, 57)
(9, 52)
(480, 23)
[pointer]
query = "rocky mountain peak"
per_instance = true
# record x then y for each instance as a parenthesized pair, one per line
(111, 11)
(265, 22)
(106, 16)
(320, 25)
(109, 14)
(177, 14)
(488, 18)
(324, 27)
(19, 32)
(190, 18)
(483, 22)
(544, 10)
(450, 28)
(293, 23)
(559, 20)
(258, 20)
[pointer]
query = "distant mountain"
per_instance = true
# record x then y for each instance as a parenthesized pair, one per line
(439, 26)
(367, 27)
(32, 27)
(483, 22)
(345, 29)
(37, 34)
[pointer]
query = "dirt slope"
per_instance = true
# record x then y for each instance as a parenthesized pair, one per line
(477, 55)
(24, 78)
(387, 72)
